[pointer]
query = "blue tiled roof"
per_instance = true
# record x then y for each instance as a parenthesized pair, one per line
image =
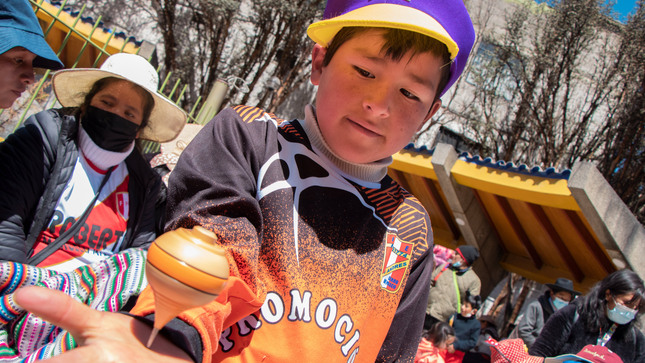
(91, 21)
(419, 150)
(500, 165)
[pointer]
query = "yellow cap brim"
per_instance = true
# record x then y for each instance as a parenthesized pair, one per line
(383, 16)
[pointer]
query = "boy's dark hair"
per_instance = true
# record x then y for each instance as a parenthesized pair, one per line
(397, 43)
(474, 300)
(439, 332)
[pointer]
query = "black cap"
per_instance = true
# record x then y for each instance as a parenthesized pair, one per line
(470, 254)
(562, 284)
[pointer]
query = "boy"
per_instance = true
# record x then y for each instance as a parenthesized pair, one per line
(466, 326)
(22, 47)
(330, 258)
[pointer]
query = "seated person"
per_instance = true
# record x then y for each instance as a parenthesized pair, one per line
(467, 328)
(77, 169)
(608, 316)
(77, 207)
(558, 295)
(434, 343)
(481, 352)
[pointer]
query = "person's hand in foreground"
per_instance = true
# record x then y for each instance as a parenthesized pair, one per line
(101, 336)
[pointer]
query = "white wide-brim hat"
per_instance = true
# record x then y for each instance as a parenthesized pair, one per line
(166, 119)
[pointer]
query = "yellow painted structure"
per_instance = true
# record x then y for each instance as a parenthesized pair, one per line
(78, 44)
(538, 224)
(531, 189)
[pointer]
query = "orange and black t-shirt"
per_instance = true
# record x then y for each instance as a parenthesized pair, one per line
(325, 266)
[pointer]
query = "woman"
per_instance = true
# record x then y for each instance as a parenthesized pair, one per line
(74, 187)
(606, 316)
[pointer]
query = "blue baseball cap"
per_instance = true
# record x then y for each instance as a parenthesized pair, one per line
(444, 20)
(19, 27)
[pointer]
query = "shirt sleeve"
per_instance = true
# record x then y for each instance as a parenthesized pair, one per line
(476, 286)
(146, 228)
(403, 337)
(527, 328)
(201, 193)
(555, 333)
(27, 156)
(640, 346)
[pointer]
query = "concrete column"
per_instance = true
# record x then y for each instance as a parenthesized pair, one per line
(148, 51)
(616, 227)
(471, 219)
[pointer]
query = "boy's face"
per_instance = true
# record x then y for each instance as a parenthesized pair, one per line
(467, 309)
(369, 106)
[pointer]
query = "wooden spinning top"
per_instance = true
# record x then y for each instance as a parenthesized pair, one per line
(185, 269)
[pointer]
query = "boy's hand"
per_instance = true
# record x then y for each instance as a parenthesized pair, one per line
(101, 336)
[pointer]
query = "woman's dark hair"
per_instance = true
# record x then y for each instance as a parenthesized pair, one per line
(439, 332)
(592, 307)
(397, 43)
(474, 300)
(148, 100)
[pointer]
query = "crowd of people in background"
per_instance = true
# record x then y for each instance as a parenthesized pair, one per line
(79, 198)
(560, 323)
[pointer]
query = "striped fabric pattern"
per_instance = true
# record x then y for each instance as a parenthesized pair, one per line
(105, 285)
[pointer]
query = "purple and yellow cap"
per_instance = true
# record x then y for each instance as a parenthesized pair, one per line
(445, 20)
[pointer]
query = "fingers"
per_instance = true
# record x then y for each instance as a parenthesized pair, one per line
(57, 308)
(102, 337)
(80, 354)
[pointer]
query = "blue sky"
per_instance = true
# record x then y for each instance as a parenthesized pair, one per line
(621, 7)
(624, 7)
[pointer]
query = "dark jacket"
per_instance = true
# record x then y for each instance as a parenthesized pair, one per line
(466, 332)
(37, 162)
(532, 322)
(565, 333)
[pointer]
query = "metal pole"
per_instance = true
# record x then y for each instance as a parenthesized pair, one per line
(213, 102)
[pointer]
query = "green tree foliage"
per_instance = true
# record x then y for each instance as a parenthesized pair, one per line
(275, 48)
(202, 41)
(623, 158)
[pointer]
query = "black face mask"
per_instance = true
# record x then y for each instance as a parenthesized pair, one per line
(109, 131)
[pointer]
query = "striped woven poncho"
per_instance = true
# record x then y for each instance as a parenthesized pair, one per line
(106, 286)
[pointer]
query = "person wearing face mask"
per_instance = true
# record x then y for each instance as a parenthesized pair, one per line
(75, 189)
(558, 295)
(449, 285)
(22, 47)
(606, 316)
